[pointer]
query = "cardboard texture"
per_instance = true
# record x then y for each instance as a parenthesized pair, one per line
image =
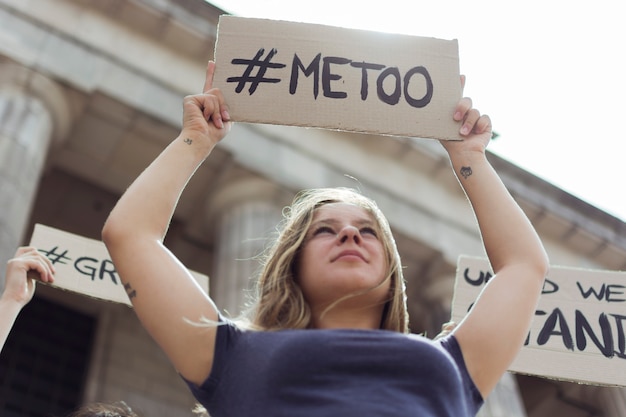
(300, 74)
(83, 265)
(578, 330)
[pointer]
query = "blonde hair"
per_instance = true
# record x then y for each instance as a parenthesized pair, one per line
(280, 303)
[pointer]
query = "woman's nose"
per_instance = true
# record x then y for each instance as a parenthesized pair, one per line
(349, 233)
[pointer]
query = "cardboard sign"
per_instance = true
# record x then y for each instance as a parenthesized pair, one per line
(302, 74)
(83, 265)
(578, 330)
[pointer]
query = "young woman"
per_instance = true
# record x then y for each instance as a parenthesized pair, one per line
(328, 335)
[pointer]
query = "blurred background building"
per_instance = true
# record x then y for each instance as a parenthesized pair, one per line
(90, 93)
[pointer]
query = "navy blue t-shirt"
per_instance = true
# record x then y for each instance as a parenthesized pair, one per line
(339, 372)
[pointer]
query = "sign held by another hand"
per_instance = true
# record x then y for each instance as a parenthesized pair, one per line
(83, 265)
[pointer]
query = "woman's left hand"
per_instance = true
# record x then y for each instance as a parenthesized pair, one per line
(475, 128)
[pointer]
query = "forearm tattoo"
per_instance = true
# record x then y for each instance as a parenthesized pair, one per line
(188, 141)
(465, 172)
(130, 291)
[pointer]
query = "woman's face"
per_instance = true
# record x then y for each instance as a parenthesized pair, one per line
(342, 254)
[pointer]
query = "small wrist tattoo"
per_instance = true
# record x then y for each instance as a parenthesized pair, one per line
(188, 141)
(466, 172)
(130, 291)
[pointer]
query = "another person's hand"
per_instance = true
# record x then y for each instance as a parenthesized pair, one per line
(446, 328)
(205, 116)
(18, 286)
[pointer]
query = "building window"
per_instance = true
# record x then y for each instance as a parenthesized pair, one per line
(44, 362)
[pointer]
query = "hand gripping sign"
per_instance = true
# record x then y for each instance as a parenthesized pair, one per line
(578, 332)
(301, 74)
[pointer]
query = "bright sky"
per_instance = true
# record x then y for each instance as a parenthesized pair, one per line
(551, 74)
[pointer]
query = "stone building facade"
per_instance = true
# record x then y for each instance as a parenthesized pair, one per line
(90, 93)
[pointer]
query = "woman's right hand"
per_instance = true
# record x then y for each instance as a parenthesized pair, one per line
(205, 116)
(163, 293)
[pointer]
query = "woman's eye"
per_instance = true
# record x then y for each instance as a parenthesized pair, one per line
(323, 229)
(368, 230)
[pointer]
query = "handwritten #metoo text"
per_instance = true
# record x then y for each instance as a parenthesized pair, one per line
(391, 84)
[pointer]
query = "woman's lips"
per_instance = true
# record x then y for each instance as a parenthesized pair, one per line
(349, 254)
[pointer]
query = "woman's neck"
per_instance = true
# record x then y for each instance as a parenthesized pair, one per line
(343, 317)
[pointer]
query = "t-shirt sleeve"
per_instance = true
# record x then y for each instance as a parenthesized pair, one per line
(227, 334)
(474, 398)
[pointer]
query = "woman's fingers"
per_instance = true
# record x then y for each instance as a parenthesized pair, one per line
(483, 124)
(208, 81)
(203, 110)
(462, 107)
(211, 109)
(473, 121)
(214, 107)
(471, 117)
(211, 102)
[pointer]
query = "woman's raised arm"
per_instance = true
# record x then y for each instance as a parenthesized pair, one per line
(162, 291)
(494, 331)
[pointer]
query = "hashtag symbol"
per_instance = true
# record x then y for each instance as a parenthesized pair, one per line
(56, 257)
(251, 64)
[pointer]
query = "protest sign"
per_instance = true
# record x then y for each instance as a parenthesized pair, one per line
(83, 265)
(312, 75)
(577, 333)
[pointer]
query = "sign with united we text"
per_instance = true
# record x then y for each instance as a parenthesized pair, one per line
(578, 332)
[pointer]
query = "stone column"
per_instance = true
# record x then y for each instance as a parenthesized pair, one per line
(33, 113)
(244, 215)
